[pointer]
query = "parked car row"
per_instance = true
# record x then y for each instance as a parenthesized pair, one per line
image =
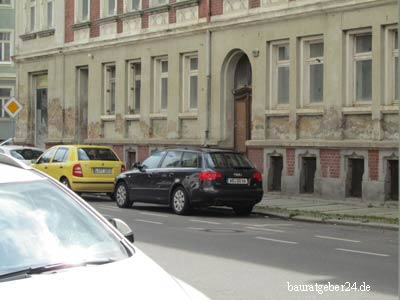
(183, 178)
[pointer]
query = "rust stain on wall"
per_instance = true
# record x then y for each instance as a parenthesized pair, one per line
(94, 130)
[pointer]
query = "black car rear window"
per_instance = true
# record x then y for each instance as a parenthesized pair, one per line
(96, 154)
(29, 154)
(223, 160)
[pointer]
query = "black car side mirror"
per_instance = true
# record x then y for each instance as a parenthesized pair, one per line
(123, 228)
(137, 165)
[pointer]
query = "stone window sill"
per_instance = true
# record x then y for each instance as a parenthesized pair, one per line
(81, 25)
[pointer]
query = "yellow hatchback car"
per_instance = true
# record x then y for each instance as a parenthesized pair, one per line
(83, 168)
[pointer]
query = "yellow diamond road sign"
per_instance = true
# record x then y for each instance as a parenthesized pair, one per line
(12, 107)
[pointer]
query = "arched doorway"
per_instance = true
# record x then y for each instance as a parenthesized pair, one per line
(242, 104)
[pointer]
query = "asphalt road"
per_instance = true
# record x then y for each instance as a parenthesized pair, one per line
(256, 257)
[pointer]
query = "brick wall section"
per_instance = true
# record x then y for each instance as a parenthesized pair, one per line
(69, 20)
(290, 161)
(172, 13)
(330, 163)
(94, 16)
(120, 10)
(203, 9)
(216, 7)
(142, 153)
(255, 155)
(254, 3)
(119, 150)
(145, 17)
(373, 164)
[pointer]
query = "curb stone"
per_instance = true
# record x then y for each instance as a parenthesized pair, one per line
(286, 216)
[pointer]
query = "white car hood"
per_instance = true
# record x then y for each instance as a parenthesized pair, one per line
(135, 278)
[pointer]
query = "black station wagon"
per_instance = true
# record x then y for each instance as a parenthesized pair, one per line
(189, 178)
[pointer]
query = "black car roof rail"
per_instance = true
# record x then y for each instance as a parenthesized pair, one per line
(11, 161)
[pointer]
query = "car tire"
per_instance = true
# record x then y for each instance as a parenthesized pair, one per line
(121, 195)
(64, 181)
(242, 210)
(180, 201)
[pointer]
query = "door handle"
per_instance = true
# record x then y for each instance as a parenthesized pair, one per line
(170, 174)
(149, 175)
(45, 168)
(61, 167)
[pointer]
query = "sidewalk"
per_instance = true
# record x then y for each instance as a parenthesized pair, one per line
(349, 212)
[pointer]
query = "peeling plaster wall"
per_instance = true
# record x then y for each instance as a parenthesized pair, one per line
(310, 127)
(159, 128)
(358, 127)
(277, 128)
(390, 127)
(189, 129)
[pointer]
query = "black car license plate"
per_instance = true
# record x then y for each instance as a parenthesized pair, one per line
(237, 181)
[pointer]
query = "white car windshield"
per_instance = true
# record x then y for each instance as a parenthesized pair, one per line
(40, 224)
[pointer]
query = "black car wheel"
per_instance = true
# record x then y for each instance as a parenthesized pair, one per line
(179, 201)
(64, 181)
(122, 195)
(242, 210)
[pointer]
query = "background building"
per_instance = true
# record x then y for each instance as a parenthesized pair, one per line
(307, 88)
(7, 68)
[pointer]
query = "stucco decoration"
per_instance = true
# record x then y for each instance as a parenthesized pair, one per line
(159, 128)
(310, 127)
(94, 130)
(187, 15)
(157, 20)
(235, 5)
(277, 128)
(358, 127)
(190, 129)
(390, 126)
(132, 25)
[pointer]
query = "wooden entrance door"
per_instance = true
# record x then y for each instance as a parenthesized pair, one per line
(242, 119)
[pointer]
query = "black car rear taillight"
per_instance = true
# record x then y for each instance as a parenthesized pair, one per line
(257, 176)
(209, 176)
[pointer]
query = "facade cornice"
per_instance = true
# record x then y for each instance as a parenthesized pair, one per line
(107, 20)
(81, 25)
(218, 23)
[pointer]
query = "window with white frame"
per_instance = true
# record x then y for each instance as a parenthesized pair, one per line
(82, 11)
(32, 15)
(109, 8)
(109, 86)
(313, 71)
(5, 47)
(5, 2)
(134, 86)
(360, 65)
(280, 69)
(50, 13)
(160, 84)
(190, 82)
(392, 65)
(5, 94)
(132, 5)
(154, 3)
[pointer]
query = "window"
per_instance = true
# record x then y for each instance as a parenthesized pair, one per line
(109, 8)
(172, 159)
(361, 67)
(32, 15)
(313, 71)
(50, 13)
(392, 65)
(132, 5)
(161, 85)
(5, 2)
(5, 47)
(46, 157)
(134, 86)
(190, 160)
(82, 11)
(158, 2)
(190, 82)
(61, 155)
(5, 94)
(109, 84)
(280, 68)
(153, 161)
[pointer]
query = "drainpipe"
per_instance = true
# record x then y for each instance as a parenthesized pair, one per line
(208, 88)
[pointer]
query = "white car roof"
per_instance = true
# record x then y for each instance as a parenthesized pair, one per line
(18, 147)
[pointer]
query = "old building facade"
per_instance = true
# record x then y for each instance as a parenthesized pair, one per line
(307, 88)
(7, 68)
